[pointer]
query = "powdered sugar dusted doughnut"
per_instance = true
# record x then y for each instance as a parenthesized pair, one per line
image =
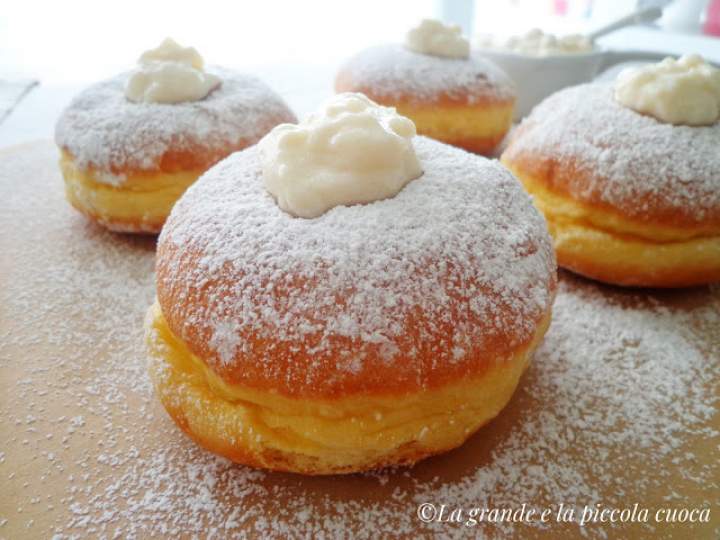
(373, 334)
(461, 101)
(630, 199)
(105, 131)
(109, 143)
(395, 72)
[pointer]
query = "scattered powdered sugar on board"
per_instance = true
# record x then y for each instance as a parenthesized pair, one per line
(395, 72)
(102, 129)
(618, 406)
(643, 166)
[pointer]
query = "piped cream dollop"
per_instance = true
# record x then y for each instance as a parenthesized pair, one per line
(685, 91)
(170, 74)
(535, 42)
(351, 151)
(437, 39)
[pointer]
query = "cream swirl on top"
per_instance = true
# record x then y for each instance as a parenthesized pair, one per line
(351, 151)
(684, 91)
(437, 39)
(170, 74)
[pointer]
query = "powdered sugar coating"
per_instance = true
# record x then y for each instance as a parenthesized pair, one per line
(395, 72)
(461, 245)
(102, 129)
(636, 163)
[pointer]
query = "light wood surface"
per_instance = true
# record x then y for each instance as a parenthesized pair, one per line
(86, 450)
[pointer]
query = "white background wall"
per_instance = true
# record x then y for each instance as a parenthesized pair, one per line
(85, 40)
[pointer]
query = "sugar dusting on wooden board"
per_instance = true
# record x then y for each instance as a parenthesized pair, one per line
(619, 406)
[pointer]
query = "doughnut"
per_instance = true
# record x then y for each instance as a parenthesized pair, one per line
(373, 335)
(629, 200)
(125, 164)
(465, 102)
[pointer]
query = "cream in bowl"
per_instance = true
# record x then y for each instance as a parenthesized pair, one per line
(535, 42)
(540, 64)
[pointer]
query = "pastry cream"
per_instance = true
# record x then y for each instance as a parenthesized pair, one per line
(171, 51)
(358, 430)
(537, 43)
(141, 203)
(170, 74)
(684, 91)
(437, 39)
(351, 151)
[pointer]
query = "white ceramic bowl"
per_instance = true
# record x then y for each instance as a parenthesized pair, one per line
(536, 77)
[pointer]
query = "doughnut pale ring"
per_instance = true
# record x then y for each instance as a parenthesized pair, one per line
(125, 164)
(629, 200)
(372, 335)
(463, 102)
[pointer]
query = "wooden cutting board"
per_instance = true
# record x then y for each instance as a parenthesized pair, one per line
(619, 410)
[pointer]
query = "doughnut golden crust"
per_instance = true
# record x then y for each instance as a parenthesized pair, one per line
(464, 102)
(125, 164)
(373, 335)
(628, 200)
